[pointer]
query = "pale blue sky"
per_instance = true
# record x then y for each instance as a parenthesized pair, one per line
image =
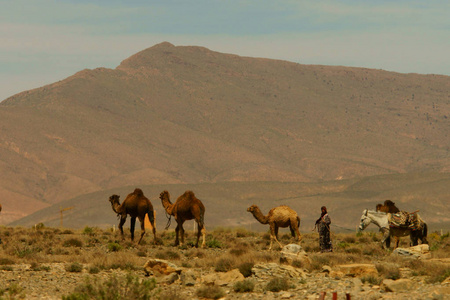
(43, 41)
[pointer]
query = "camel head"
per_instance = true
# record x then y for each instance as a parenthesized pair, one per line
(114, 199)
(164, 196)
(252, 208)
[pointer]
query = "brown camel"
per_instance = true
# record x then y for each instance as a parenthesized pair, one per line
(280, 216)
(137, 206)
(187, 207)
(388, 207)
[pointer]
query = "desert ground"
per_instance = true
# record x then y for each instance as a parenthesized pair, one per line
(93, 263)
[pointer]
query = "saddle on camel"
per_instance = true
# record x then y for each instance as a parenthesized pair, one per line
(400, 219)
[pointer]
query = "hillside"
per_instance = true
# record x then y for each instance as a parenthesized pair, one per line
(226, 203)
(188, 116)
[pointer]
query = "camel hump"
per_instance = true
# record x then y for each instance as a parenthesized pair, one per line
(189, 195)
(138, 192)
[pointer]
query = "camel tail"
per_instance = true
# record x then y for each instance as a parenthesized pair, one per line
(298, 221)
(151, 216)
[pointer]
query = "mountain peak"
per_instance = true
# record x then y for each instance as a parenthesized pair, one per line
(149, 58)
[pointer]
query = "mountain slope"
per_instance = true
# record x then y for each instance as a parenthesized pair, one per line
(184, 115)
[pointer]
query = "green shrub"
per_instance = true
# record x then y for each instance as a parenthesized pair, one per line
(114, 247)
(244, 286)
(168, 254)
(213, 243)
(128, 287)
(224, 265)
(350, 239)
(243, 232)
(353, 250)
(210, 292)
(37, 267)
(342, 245)
(388, 271)
(439, 274)
(277, 284)
(15, 291)
(25, 251)
(297, 263)
(39, 226)
(123, 266)
(246, 268)
(94, 270)
(6, 261)
(238, 251)
(370, 279)
(88, 230)
(74, 267)
(73, 243)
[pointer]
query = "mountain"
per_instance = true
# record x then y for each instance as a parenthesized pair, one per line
(186, 116)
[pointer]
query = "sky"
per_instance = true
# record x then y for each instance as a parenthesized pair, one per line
(43, 41)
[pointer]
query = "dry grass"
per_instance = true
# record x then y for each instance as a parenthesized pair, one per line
(93, 249)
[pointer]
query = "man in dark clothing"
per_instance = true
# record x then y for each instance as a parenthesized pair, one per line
(323, 226)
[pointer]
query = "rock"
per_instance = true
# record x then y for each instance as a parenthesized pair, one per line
(294, 252)
(441, 293)
(229, 277)
(420, 251)
(286, 295)
(400, 285)
(168, 279)
(209, 279)
(159, 267)
(356, 270)
(326, 269)
(270, 270)
(188, 278)
(222, 279)
(446, 281)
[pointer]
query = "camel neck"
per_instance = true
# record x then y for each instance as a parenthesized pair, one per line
(260, 217)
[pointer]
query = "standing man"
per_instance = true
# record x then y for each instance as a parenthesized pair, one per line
(323, 226)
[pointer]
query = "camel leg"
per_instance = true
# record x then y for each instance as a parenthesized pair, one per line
(201, 230)
(154, 230)
(141, 220)
(299, 236)
(273, 236)
(177, 232)
(276, 236)
(397, 241)
(122, 221)
(294, 229)
(204, 236)
(199, 227)
(133, 224)
(181, 235)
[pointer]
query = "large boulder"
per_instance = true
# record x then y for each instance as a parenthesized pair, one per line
(223, 279)
(294, 252)
(159, 267)
(354, 270)
(399, 285)
(420, 251)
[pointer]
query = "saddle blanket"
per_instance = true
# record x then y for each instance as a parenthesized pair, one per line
(404, 219)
